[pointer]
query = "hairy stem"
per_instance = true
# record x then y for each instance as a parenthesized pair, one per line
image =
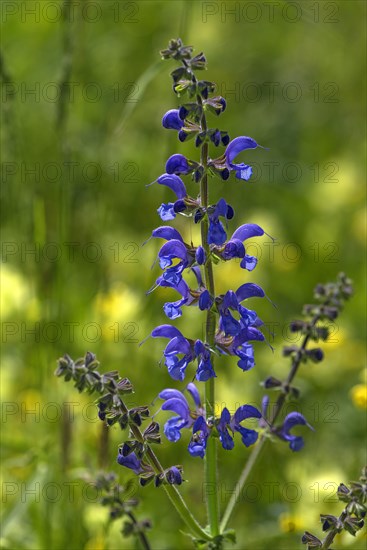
(140, 534)
(211, 450)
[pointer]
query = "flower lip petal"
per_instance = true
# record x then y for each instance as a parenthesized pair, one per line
(166, 212)
(225, 417)
(166, 331)
(174, 476)
(131, 461)
(249, 290)
(170, 393)
(226, 440)
(294, 419)
(174, 182)
(177, 164)
(196, 448)
(239, 144)
(173, 249)
(179, 344)
(220, 209)
(167, 232)
(173, 309)
(246, 411)
(233, 249)
(297, 443)
(178, 406)
(205, 371)
(172, 428)
(249, 437)
(216, 233)
(246, 355)
(171, 120)
(243, 171)
(200, 425)
(200, 255)
(248, 262)
(247, 231)
(192, 389)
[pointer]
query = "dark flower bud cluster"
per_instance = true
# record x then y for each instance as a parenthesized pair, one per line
(112, 409)
(111, 387)
(351, 518)
(330, 299)
(116, 497)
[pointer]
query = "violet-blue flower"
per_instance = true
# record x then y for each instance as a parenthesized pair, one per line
(172, 121)
(232, 301)
(174, 476)
(194, 419)
(205, 367)
(173, 309)
(233, 247)
(177, 164)
(167, 211)
(205, 300)
(176, 402)
(166, 232)
(179, 351)
(243, 171)
(201, 432)
(296, 443)
(216, 232)
(175, 183)
(241, 347)
(240, 331)
(200, 255)
(226, 422)
(130, 461)
(172, 250)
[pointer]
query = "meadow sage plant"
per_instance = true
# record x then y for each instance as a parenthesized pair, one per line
(231, 327)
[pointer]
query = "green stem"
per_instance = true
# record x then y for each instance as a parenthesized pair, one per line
(241, 482)
(211, 450)
(171, 490)
(141, 536)
(263, 438)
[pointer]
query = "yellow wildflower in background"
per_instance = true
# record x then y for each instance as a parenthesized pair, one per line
(359, 396)
(290, 523)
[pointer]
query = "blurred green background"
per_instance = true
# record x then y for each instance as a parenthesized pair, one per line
(83, 93)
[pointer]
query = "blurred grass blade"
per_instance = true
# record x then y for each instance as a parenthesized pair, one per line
(141, 84)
